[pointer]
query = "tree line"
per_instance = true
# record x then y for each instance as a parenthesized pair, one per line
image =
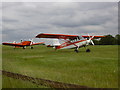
(108, 40)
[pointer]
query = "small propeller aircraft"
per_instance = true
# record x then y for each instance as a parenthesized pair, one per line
(70, 41)
(23, 44)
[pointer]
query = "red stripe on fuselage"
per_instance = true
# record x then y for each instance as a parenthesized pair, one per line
(68, 44)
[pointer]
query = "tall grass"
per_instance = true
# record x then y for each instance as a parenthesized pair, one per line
(98, 69)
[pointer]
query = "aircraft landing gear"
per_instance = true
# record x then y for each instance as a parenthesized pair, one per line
(31, 47)
(87, 50)
(14, 47)
(23, 47)
(76, 50)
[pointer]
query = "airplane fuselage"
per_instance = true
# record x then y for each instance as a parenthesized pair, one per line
(69, 44)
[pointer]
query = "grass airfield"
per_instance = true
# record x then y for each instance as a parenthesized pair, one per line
(96, 69)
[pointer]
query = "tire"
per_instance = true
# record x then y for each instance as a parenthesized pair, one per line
(31, 47)
(23, 47)
(76, 51)
(87, 50)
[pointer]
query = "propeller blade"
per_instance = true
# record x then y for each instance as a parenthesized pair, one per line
(31, 41)
(92, 42)
(92, 36)
(89, 35)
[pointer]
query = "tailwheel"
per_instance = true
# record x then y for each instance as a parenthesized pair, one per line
(87, 50)
(31, 47)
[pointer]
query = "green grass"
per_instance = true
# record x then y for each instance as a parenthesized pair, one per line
(98, 69)
(14, 83)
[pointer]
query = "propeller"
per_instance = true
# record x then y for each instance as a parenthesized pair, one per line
(31, 41)
(90, 40)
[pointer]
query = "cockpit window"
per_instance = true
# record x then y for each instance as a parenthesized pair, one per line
(76, 39)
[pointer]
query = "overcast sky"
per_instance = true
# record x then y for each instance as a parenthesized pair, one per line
(25, 20)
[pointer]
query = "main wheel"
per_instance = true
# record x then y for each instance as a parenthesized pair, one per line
(23, 47)
(76, 51)
(31, 47)
(87, 50)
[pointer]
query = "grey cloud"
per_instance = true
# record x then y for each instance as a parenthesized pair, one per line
(6, 5)
(25, 20)
(9, 20)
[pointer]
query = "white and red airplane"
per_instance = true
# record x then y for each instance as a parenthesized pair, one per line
(70, 41)
(23, 44)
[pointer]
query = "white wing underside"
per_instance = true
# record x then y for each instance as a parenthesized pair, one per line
(52, 42)
(56, 42)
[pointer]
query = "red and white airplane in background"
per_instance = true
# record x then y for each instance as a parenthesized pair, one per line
(70, 41)
(23, 44)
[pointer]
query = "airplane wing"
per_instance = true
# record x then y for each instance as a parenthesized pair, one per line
(58, 36)
(38, 43)
(94, 36)
(13, 44)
